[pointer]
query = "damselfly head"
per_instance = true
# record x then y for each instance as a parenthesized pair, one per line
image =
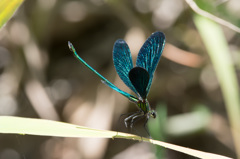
(153, 114)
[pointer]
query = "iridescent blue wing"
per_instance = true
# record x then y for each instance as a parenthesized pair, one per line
(140, 79)
(104, 80)
(122, 60)
(150, 54)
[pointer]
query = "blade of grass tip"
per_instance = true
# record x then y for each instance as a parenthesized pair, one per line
(192, 152)
(7, 9)
(217, 48)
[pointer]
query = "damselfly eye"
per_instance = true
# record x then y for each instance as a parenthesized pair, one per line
(153, 114)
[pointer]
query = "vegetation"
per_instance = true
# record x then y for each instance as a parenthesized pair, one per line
(195, 89)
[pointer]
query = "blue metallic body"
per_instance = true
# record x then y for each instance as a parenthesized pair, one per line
(139, 78)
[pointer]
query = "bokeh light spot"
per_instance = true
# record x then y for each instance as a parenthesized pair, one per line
(74, 11)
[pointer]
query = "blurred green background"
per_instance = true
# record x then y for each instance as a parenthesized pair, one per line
(40, 78)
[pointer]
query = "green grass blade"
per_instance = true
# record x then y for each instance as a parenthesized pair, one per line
(218, 51)
(7, 9)
(41, 127)
(157, 128)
